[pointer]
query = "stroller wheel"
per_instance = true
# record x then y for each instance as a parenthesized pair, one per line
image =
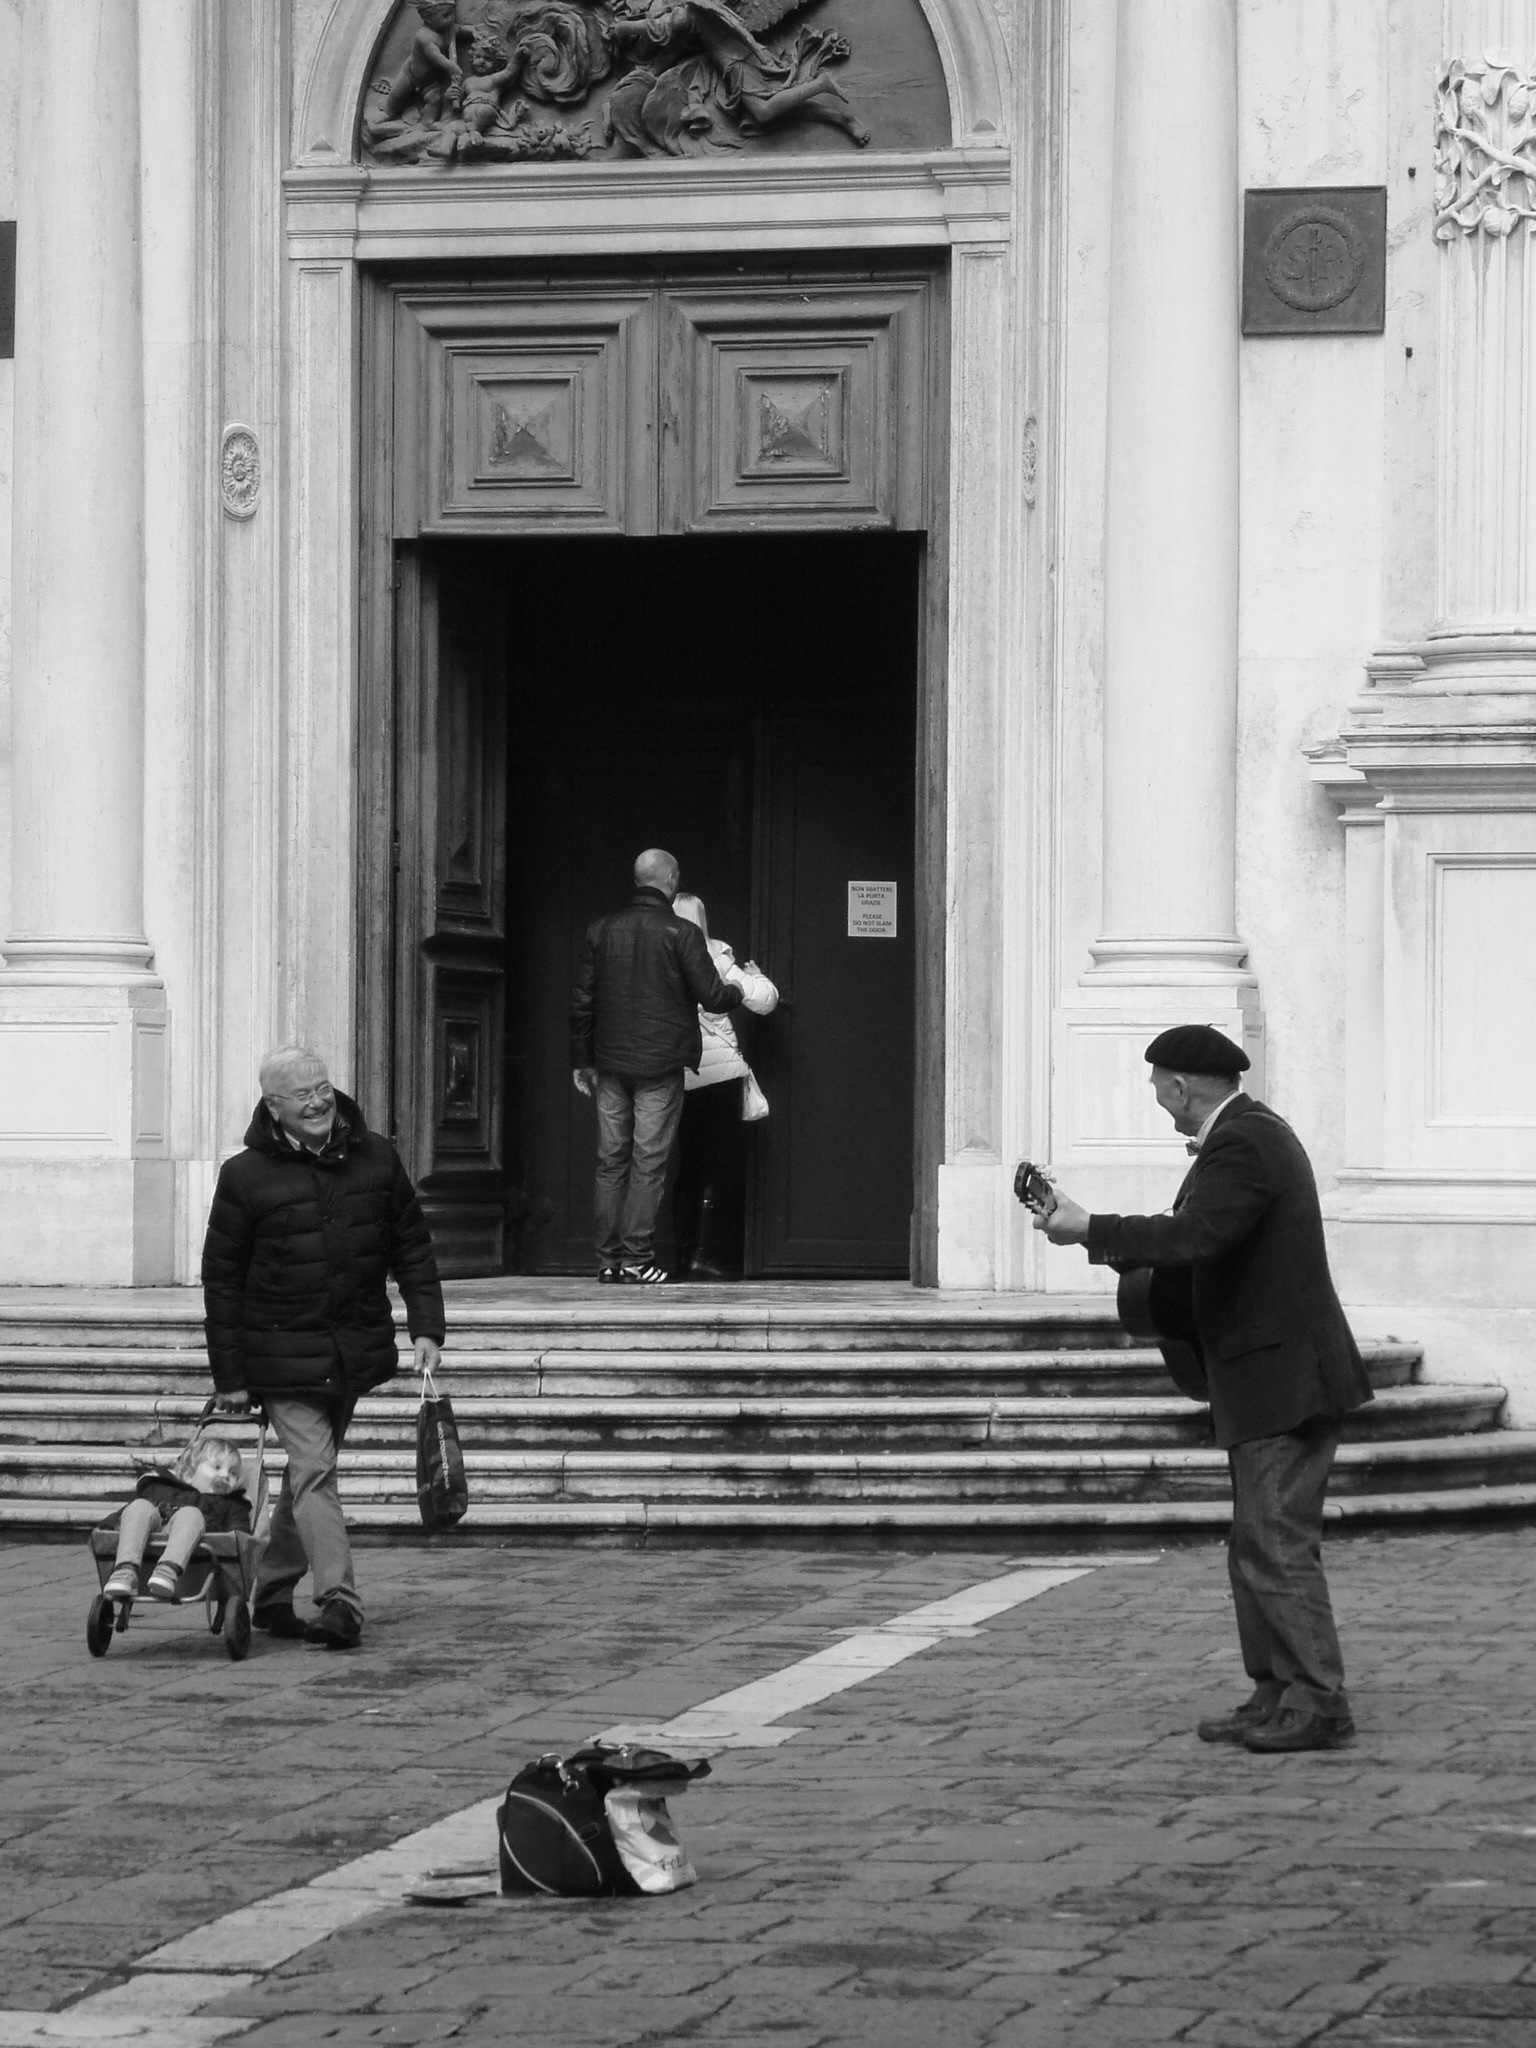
(98, 1626)
(237, 1629)
(216, 1612)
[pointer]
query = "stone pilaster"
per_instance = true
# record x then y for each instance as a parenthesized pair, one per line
(1437, 1201)
(87, 1188)
(1168, 947)
(1484, 636)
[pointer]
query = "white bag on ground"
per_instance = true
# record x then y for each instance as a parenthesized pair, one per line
(642, 1834)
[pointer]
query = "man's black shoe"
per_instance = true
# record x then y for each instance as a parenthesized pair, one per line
(1234, 1727)
(279, 1619)
(610, 1276)
(1294, 1728)
(335, 1627)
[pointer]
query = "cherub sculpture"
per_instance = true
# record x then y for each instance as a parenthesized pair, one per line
(414, 97)
(687, 52)
(475, 97)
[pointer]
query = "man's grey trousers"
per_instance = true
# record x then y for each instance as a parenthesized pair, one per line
(308, 1532)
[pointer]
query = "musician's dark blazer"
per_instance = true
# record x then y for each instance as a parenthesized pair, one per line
(1247, 1225)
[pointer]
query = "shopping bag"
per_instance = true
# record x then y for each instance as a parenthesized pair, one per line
(643, 1835)
(442, 1491)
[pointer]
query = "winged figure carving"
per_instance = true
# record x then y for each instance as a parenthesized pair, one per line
(491, 79)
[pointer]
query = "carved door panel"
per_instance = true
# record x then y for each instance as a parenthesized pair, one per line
(525, 413)
(834, 1181)
(452, 883)
(794, 406)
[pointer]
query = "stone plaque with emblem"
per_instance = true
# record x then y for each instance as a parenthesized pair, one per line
(1315, 259)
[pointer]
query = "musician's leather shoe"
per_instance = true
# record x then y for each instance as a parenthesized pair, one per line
(1293, 1728)
(1236, 1726)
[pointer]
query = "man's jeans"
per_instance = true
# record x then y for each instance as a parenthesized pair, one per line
(636, 1124)
(308, 1533)
(1274, 1556)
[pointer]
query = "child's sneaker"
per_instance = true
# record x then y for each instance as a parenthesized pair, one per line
(163, 1581)
(123, 1584)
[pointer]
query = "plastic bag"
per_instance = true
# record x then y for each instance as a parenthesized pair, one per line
(642, 1833)
(754, 1103)
(442, 1490)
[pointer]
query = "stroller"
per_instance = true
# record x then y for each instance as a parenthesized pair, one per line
(221, 1572)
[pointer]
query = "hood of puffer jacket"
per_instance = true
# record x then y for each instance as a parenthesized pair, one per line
(263, 1134)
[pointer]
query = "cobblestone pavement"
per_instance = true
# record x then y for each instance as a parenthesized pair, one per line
(1010, 1838)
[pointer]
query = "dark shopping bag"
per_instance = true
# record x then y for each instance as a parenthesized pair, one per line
(442, 1491)
(594, 1825)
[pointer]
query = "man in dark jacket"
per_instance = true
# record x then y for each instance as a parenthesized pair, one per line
(634, 1027)
(1246, 1235)
(307, 1224)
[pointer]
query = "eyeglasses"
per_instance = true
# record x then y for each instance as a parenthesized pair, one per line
(320, 1093)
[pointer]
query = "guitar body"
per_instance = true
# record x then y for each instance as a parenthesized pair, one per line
(1156, 1303)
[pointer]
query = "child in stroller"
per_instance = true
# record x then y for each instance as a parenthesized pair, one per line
(200, 1491)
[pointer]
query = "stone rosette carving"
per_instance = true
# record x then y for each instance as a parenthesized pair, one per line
(1485, 148)
(495, 81)
(239, 472)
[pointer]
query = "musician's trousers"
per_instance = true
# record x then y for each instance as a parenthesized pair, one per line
(1274, 1557)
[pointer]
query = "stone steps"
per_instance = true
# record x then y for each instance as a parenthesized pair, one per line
(515, 1422)
(679, 1375)
(95, 1474)
(798, 1413)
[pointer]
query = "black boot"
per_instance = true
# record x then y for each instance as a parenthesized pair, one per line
(713, 1258)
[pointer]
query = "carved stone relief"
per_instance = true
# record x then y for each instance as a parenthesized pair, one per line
(496, 81)
(1485, 148)
(239, 472)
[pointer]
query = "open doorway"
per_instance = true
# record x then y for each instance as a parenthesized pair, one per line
(751, 704)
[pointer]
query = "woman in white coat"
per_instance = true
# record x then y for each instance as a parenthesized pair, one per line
(710, 1193)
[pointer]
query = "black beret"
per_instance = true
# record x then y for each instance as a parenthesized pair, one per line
(1197, 1049)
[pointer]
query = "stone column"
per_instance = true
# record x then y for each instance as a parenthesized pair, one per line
(1168, 949)
(1442, 894)
(77, 902)
(1171, 518)
(82, 1026)
(1485, 211)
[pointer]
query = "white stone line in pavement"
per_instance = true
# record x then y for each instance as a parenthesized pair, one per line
(743, 1719)
(169, 1986)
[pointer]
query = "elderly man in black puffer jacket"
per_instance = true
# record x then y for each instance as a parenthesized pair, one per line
(307, 1225)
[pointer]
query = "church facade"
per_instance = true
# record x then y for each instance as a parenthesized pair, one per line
(1032, 502)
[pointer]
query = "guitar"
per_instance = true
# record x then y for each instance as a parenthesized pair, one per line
(1156, 1303)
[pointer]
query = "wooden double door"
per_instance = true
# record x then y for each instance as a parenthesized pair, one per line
(658, 559)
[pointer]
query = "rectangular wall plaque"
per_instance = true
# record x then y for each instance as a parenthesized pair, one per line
(871, 910)
(1315, 259)
(7, 289)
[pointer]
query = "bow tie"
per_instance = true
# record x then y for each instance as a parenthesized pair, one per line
(1192, 1147)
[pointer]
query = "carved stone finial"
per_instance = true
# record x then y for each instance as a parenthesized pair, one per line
(1485, 148)
(239, 472)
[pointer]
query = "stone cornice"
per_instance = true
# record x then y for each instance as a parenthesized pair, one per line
(1431, 767)
(890, 199)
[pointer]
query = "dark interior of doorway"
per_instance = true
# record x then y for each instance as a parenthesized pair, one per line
(751, 704)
